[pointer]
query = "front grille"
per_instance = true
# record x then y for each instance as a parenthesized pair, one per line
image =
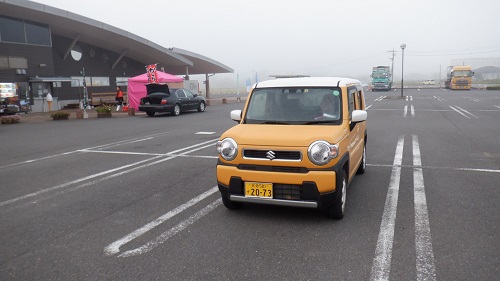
(272, 155)
(287, 191)
(278, 169)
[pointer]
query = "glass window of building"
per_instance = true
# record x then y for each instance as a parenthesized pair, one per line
(12, 30)
(37, 34)
(76, 53)
(100, 81)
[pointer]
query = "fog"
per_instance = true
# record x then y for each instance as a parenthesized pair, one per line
(319, 38)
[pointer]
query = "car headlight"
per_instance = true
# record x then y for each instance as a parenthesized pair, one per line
(321, 152)
(227, 149)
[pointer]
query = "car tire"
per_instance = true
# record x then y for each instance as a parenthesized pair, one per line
(201, 107)
(149, 113)
(362, 165)
(337, 210)
(230, 204)
(177, 110)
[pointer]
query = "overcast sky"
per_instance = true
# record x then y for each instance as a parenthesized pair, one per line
(314, 37)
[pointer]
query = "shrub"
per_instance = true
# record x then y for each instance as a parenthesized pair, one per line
(103, 109)
(60, 115)
(12, 119)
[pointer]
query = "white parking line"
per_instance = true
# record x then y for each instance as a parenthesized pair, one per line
(113, 144)
(204, 133)
(463, 110)
(366, 108)
(459, 112)
(423, 241)
(72, 182)
(172, 231)
(383, 253)
(439, 98)
(412, 111)
(440, 168)
(405, 111)
(38, 159)
(122, 152)
(114, 247)
(114, 172)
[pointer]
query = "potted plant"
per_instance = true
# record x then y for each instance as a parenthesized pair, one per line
(103, 111)
(60, 115)
(11, 119)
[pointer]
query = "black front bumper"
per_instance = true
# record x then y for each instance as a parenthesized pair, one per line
(309, 195)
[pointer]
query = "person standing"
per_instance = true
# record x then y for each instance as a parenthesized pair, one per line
(119, 98)
(48, 98)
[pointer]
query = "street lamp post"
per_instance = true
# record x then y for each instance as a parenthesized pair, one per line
(85, 95)
(403, 46)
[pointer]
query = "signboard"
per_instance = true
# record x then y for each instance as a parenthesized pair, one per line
(191, 85)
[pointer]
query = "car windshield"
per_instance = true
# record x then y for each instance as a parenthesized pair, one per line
(461, 73)
(282, 106)
(380, 75)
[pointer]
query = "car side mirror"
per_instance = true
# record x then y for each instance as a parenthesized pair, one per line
(236, 115)
(359, 116)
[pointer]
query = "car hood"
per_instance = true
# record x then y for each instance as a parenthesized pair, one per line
(284, 135)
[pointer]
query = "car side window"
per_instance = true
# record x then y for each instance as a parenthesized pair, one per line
(180, 94)
(359, 104)
(188, 93)
(352, 100)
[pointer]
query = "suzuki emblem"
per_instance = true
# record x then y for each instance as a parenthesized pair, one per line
(270, 155)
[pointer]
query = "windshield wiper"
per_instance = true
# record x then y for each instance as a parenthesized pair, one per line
(320, 122)
(275, 122)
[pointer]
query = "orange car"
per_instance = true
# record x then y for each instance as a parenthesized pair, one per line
(299, 142)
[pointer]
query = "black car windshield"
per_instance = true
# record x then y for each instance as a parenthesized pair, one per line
(304, 106)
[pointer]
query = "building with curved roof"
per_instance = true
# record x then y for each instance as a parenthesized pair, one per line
(45, 49)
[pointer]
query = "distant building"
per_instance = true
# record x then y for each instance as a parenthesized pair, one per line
(48, 50)
(487, 73)
(476, 62)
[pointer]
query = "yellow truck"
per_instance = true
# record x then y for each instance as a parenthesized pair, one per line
(459, 77)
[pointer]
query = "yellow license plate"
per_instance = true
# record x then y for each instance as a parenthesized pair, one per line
(259, 189)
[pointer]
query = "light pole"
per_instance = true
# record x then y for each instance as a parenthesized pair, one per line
(403, 46)
(85, 95)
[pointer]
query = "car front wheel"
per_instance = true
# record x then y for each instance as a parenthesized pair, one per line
(337, 210)
(201, 107)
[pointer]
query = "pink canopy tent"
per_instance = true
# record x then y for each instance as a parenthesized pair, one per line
(137, 86)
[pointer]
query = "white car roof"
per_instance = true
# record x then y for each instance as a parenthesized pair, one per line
(307, 82)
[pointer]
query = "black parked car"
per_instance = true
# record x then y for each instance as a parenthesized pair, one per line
(162, 99)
